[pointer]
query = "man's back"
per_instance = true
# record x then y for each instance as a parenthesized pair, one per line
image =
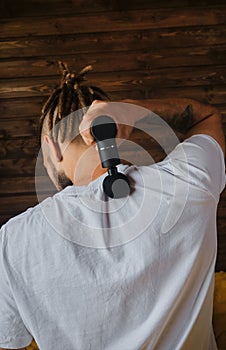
(86, 272)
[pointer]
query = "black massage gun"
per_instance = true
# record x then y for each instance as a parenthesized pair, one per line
(103, 129)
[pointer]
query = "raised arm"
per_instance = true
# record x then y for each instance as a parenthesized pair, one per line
(188, 116)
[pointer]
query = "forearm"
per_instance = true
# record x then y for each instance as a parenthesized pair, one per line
(180, 113)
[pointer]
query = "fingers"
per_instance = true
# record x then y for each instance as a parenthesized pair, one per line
(117, 111)
(84, 128)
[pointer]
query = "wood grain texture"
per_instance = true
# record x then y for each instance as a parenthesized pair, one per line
(113, 21)
(139, 49)
(31, 8)
(199, 38)
(122, 81)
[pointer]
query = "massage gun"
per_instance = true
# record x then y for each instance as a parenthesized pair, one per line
(103, 129)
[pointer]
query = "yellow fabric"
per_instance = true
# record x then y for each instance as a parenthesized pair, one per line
(32, 346)
(219, 314)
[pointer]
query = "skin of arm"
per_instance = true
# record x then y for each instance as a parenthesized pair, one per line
(187, 116)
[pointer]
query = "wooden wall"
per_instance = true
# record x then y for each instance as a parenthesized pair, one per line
(139, 49)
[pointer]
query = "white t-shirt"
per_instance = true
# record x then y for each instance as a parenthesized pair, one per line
(80, 271)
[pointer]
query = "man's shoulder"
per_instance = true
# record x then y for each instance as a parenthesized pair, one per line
(35, 218)
(198, 145)
(201, 160)
(27, 219)
(204, 138)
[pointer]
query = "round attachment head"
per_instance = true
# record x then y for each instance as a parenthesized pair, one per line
(116, 185)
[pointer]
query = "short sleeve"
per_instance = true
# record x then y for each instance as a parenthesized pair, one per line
(13, 333)
(200, 160)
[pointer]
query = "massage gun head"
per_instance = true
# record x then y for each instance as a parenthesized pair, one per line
(103, 127)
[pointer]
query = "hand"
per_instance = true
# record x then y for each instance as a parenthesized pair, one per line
(120, 112)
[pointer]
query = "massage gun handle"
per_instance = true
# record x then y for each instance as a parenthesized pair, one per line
(104, 130)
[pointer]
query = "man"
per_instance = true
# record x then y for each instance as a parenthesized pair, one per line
(83, 271)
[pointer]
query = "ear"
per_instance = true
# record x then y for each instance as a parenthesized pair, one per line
(54, 148)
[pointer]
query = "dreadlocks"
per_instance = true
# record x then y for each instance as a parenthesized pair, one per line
(70, 96)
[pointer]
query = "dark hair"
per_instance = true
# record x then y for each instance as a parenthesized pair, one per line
(68, 97)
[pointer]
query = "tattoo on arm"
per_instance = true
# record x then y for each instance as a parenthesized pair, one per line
(182, 121)
(187, 119)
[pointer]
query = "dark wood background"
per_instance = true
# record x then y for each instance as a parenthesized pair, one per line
(138, 49)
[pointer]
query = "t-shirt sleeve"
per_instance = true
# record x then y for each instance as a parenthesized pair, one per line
(13, 333)
(200, 160)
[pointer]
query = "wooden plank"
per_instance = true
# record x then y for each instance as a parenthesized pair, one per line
(221, 225)
(20, 108)
(221, 257)
(208, 94)
(4, 12)
(77, 44)
(26, 184)
(25, 147)
(28, 8)
(17, 167)
(116, 21)
(221, 211)
(112, 81)
(22, 127)
(4, 218)
(18, 203)
(126, 61)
